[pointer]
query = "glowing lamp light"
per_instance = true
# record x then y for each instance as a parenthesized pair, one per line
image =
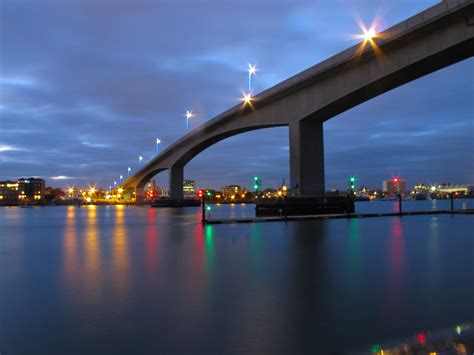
(421, 338)
(208, 208)
(252, 69)
(189, 114)
(71, 190)
(369, 34)
(247, 99)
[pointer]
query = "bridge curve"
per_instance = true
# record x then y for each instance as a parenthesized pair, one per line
(433, 39)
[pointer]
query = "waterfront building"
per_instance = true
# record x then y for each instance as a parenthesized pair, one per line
(230, 190)
(8, 192)
(23, 190)
(189, 187)
(31, 189)
(394, 186)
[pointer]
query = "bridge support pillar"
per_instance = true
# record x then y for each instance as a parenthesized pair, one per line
(307, 157)
(139, 194)
(176, 183)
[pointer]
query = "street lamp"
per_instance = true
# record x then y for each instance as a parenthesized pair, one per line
(369, 34)
(247, 99)
(140, 158)
(121, 179)
(252, 70)
(129, 169)
(158, 143)
(189, 114)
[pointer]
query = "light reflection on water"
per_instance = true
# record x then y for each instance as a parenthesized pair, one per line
(157, 281)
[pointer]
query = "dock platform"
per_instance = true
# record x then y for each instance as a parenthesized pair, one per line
(333, 216)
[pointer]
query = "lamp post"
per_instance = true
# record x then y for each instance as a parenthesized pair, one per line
(158, 143)
(189, 114)
(120, 179)
(129, 169)
(140, 158)
(252, 70)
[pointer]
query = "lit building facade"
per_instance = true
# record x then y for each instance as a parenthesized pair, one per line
(8, 192)
(189, 187)
(394, 186)
(22, 191)
(230, 190)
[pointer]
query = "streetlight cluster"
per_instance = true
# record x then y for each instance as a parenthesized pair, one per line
(246, 99)
(367, 35)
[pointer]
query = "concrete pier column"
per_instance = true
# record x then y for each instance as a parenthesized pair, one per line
(307, 157)
(176, 182)
(139, 194)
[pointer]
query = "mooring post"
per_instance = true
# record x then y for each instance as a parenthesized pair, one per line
(400, 204)
(203, 209)
(348, 204)
(451, 197)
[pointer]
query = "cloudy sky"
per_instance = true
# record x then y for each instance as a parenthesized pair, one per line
(87, 86)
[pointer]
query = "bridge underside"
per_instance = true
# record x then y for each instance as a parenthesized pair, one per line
(438, 37)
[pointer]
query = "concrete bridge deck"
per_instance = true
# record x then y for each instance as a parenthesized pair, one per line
(431, 40)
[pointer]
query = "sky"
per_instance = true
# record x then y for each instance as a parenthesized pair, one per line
(87, 86)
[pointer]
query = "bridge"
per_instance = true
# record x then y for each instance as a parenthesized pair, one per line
(431, 40)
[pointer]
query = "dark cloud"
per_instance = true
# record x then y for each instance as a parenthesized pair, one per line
(87, 86)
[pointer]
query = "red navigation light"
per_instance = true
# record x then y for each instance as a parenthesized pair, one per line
(395, 179)
(421, 338)
(200, 193)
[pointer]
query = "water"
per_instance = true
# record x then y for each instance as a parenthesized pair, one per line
(135, 280)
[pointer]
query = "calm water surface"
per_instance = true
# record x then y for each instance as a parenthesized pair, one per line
(135, 280)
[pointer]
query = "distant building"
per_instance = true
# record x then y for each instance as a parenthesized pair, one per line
(31, 189)
(394, 186)
(189, 187)
(284, 187)
(22, 190)
(230, 190)
(8, 192)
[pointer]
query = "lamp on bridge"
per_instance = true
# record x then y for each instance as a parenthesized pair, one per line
(369, 34)
(252, 70)
(129, 169)
(158, 143)
(247, 99)
(140, 158)
(188, 115)
(121, 179)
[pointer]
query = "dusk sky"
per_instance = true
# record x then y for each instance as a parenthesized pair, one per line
(87, 87)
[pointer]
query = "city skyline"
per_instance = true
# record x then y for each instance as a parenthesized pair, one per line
(88, 106)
